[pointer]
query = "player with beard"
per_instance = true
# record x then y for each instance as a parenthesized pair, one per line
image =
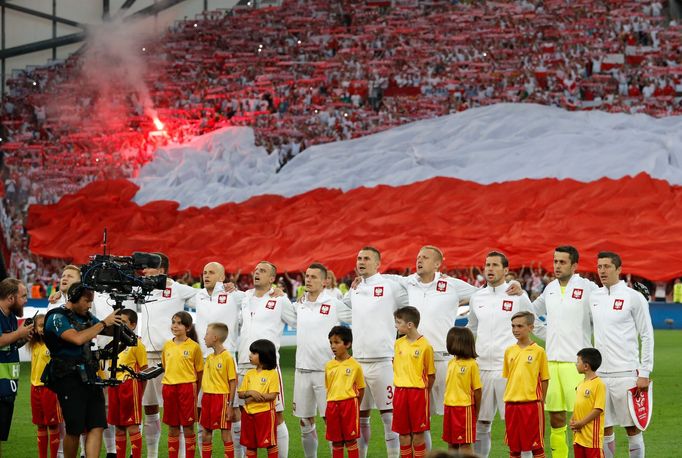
(490, 311)
(565, 305)
(13, 297)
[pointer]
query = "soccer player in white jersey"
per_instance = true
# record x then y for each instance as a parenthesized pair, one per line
(373, 303)
(490, 312)
(214, 304)
(621, 319)
(70, 275)
(438, 297)
(153, 318)
(565, 305)
(317, 312)
(262, 316)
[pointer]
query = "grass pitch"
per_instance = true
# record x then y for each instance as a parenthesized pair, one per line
(662, 438)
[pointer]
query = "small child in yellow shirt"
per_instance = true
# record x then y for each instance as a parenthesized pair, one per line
(259, 390)
(183, 366)
(45, 410)
(587, 423)
(218, 385)
(527, 372)
(345, 385)
(462, 390)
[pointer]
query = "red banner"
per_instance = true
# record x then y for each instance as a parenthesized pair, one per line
(637, 217)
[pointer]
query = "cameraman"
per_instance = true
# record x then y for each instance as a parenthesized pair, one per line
(69, 331)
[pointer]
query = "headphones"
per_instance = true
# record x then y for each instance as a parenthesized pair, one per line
(75, 292)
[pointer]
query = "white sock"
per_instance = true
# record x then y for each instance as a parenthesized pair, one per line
(482, 445)
(391, 437)
(109, 438)
(309, 438)
(152, 426)
(609, 446)
(62, 431)
(636, 445)
(181, 445)
(82, 444)
(283, 440)
(427, 440)
(236, 436)
(365, 436)
(200, 441)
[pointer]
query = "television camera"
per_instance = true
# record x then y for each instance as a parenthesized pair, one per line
(117, 276)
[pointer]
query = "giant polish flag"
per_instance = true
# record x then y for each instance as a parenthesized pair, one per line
(517, 178)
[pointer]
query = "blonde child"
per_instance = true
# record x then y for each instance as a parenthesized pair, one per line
(218, 386)
(527, 372)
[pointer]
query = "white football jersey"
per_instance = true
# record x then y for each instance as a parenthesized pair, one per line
(155, 315)
(373, 303)
(314, 320)
(490, 312)
(569, 323)
(262, 318)
(621, 318)
(220, 307)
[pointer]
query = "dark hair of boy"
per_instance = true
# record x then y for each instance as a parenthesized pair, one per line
(503, 259)
(267, 353)
(131, 314)
(320, 267)
(342, 332)
(570, 251)
(373, 250)
(591, 357)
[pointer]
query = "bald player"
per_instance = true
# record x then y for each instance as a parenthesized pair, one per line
(213, 304)
(438, 297)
